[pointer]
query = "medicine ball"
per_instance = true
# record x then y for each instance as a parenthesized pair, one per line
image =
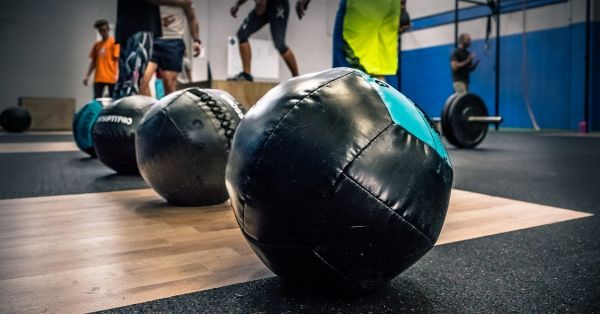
(83, 125)
(114, 132)
(338, 179)
(15, 119)
(183, 142)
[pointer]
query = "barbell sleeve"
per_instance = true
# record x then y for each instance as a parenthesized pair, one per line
(492, 119)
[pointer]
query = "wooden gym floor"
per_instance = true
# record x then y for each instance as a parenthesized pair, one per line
(89, 252)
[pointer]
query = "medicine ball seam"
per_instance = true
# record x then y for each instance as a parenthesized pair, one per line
(343, 276)
(251, 168)
(231, 118)
(223, 128)
(295, 106)
(301, 247)
(336, 181)
(337, 272)
(227, 117)
(388, 207)
(435, 143)
(426, 118)
(207, 109)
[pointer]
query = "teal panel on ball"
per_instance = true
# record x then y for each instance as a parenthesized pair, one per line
(406, 114)
(83, 124)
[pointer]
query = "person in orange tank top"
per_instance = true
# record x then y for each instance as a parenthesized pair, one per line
(104, 61)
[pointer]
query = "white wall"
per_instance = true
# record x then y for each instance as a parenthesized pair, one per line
(46, 43)
(45, 47)
(420, 8)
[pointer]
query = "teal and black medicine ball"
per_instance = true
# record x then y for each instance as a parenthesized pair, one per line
(337, 178)
(83, 125)
(114, 132)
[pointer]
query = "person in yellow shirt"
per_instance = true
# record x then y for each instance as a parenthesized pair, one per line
(365, 36)
(105, 57)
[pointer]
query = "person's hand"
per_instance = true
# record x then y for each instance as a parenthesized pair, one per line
(197, 47)
(233, 11)
(471, 57)
(86, 81)
(405, 28)
(301, 7)
(261, 7)
(167, 20)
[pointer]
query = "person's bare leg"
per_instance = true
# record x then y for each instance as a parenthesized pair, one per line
(169, 81)
(246, 55)
(290, 61)
(148, 73)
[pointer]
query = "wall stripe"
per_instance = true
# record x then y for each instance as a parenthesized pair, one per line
(540, 18)
(474, 12)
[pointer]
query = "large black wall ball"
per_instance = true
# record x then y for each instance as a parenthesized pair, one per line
(337, 178)
(83, 125)
(114, 132)
(15, 119)
(183, 142)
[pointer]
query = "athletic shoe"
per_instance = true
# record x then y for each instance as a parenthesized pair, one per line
(242, 76)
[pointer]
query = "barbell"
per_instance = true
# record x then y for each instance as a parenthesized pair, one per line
(464, 120)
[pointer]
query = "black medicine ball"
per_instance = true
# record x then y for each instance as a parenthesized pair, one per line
(15, 119)
(338, 179)
(114, 132)
(183, 143)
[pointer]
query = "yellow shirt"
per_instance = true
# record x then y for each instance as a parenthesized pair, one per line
(371, 30)
(106, 57)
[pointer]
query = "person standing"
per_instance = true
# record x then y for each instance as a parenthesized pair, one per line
(462, 63)
(365, 36)
(104, 61)
(276, 14)
(169, 49)
(138, 23)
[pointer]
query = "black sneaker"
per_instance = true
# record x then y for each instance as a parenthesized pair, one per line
(243, 76)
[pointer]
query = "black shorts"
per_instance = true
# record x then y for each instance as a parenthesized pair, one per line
(99, 89)
(168, 54)
(277, 14)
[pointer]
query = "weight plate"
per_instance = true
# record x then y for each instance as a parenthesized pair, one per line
(446, 131)
(465, 134)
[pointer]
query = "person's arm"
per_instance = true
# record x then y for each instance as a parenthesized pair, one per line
(188, 71)
(455, 64)
(474, 65)
(405, 23)
(116, 51)
(91, 69)
(301, 7)
(234, 9)
(190, 15)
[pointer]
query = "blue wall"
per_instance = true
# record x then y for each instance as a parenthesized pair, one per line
(555, 75)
